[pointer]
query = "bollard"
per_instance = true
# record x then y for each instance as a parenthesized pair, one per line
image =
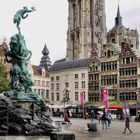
(92, 126)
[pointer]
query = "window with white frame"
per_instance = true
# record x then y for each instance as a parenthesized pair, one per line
(52, 96)
(47, 94)
(83, 84)
(57, 86)
(57, 97)
(52, 86)
(47, 83)
(76, 85)
(83, 75)
(76, 96)
(76, 76)
(57, 78)
(38, 82)
(52, 78)
(39, 91)
(43, 83)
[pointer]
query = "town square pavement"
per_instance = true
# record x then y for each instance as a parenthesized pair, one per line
(79, 128)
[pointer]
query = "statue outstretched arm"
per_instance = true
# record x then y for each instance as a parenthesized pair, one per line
(27, 11)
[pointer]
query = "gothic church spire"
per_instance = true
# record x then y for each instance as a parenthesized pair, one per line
(118, 20)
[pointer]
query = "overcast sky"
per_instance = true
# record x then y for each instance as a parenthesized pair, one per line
(48, 24)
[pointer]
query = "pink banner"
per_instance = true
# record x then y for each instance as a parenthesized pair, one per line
(82, 99)
(105, 97)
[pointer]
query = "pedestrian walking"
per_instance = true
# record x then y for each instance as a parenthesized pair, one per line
(109, 118)
(92, 115)
(104, 120)
(127, 125)
(66, 118)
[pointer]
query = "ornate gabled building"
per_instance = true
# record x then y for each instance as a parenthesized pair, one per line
(40, 75)
(110, 69)
(86, 28)
(129, 73)
(104, 73)
(94, 77)
(119, 71)
(119, 33)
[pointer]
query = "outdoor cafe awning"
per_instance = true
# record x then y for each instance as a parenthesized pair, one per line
(111, 107)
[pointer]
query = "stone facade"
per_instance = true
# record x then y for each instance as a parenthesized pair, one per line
(70, 76)
(86, 28)
(129, 73)
(104, 73)
(119, 71)
(40, 77)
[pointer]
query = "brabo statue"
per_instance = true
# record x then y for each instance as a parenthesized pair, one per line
(20, 14)
(19, 55)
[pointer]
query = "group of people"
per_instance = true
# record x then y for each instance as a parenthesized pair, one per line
(105, 119)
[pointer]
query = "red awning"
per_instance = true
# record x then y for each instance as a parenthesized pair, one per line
(114, 107)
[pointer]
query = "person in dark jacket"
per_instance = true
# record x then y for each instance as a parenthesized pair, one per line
(127, 125)
(92, 115)
(104, 120)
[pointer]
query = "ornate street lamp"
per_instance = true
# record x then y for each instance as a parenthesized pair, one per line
(65, 97)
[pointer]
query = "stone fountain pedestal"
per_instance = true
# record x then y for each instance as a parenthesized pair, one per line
(62, 136)
(24, 118)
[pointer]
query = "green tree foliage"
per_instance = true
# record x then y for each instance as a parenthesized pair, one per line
(3, 78)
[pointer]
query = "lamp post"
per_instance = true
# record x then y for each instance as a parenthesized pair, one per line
(65, 98)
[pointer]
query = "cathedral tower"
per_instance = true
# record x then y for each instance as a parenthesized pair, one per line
(120, 33)
(86, 28)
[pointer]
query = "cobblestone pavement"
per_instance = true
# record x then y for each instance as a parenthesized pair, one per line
(79, 127)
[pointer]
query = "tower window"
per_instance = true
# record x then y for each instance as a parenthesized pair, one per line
(113, 40)
(108, 53)
(127, 60)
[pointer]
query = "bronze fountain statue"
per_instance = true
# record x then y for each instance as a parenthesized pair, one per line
(18, 55)
(23, 112)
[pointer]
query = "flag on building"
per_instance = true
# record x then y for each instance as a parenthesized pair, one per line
(105, 97)
(126, 110)
(82, 94)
